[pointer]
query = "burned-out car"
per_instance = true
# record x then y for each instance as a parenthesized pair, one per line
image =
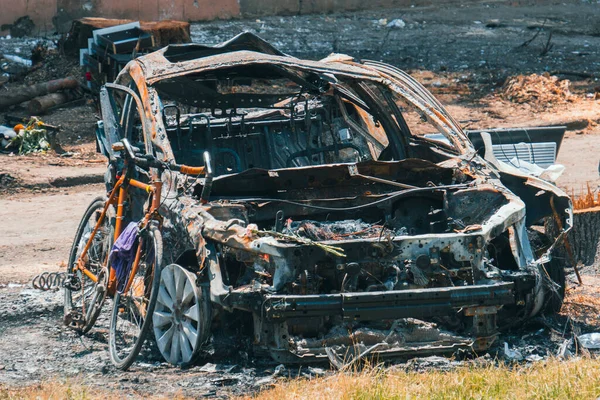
(331, 226)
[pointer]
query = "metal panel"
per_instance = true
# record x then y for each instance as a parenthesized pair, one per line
(540, 154)
(416, 303)
(543, 154)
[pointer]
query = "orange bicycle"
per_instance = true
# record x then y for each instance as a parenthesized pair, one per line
(108, 259)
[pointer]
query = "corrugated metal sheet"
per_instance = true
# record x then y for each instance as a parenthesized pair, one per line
(540, 154)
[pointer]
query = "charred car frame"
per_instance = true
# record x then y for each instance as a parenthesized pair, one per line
(331, 221)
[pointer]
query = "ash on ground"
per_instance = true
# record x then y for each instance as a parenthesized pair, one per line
(37, 347)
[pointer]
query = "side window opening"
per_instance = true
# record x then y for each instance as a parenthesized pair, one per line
(424, 135)
(128, 116)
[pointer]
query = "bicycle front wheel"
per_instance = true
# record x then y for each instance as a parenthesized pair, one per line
(132, 310)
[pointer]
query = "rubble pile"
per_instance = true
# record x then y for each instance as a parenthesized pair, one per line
(537, 89)
(55, 78)
(23, 26)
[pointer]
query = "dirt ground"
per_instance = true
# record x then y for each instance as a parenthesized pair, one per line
(463, 54)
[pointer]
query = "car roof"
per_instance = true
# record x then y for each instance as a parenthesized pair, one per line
(244, 49)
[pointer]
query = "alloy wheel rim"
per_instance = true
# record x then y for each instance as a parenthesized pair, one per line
(176, 318)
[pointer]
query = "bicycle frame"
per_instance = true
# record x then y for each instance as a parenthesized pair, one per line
(122, 189)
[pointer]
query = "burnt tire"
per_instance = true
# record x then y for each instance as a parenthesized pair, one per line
(131, 317)
(553, 295)
(91, 298)
(552, 274)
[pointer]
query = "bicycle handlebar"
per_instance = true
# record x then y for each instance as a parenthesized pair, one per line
(149, 161)
(184, 169)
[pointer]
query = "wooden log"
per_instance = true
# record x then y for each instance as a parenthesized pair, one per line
(165, 32)
(40, 105)
(24, 93)
(583, 237)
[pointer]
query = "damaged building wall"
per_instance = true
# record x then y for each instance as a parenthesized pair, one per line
(40, 11)
(51, 15)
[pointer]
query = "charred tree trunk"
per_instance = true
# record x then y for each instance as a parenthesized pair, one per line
(584, 236)
(24, 93)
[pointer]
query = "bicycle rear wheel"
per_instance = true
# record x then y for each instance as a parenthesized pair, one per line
(84, 297)
(132, 311)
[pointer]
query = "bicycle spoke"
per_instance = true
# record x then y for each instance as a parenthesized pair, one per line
(82, 306)
(129, 326)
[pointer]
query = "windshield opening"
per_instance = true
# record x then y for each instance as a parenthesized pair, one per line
(268, 118)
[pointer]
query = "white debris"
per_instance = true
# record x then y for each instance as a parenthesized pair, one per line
(209, 367)
(7, 134)
(590, 340)
(549, 174)
(564, 350)
(534, 357)
(397, 23)
(316, 371)
(512, 354)
(18, 59)
(279, 370)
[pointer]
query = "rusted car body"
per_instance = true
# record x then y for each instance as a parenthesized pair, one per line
(330, 219)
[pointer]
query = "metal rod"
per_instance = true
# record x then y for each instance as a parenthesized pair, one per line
(565, 240)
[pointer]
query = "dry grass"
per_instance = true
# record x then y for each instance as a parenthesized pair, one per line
(582, 303)
(51, 390)
(55, 389)
(585, 199)
(553, 379)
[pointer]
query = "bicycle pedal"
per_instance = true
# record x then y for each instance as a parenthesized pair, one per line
(74, 318)
(72, 283)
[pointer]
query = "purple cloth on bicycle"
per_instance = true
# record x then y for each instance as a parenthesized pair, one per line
(122, 254)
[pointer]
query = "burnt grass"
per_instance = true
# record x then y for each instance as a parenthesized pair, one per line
(487, 42)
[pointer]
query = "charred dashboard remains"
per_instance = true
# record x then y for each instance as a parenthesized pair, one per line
(330, 218)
